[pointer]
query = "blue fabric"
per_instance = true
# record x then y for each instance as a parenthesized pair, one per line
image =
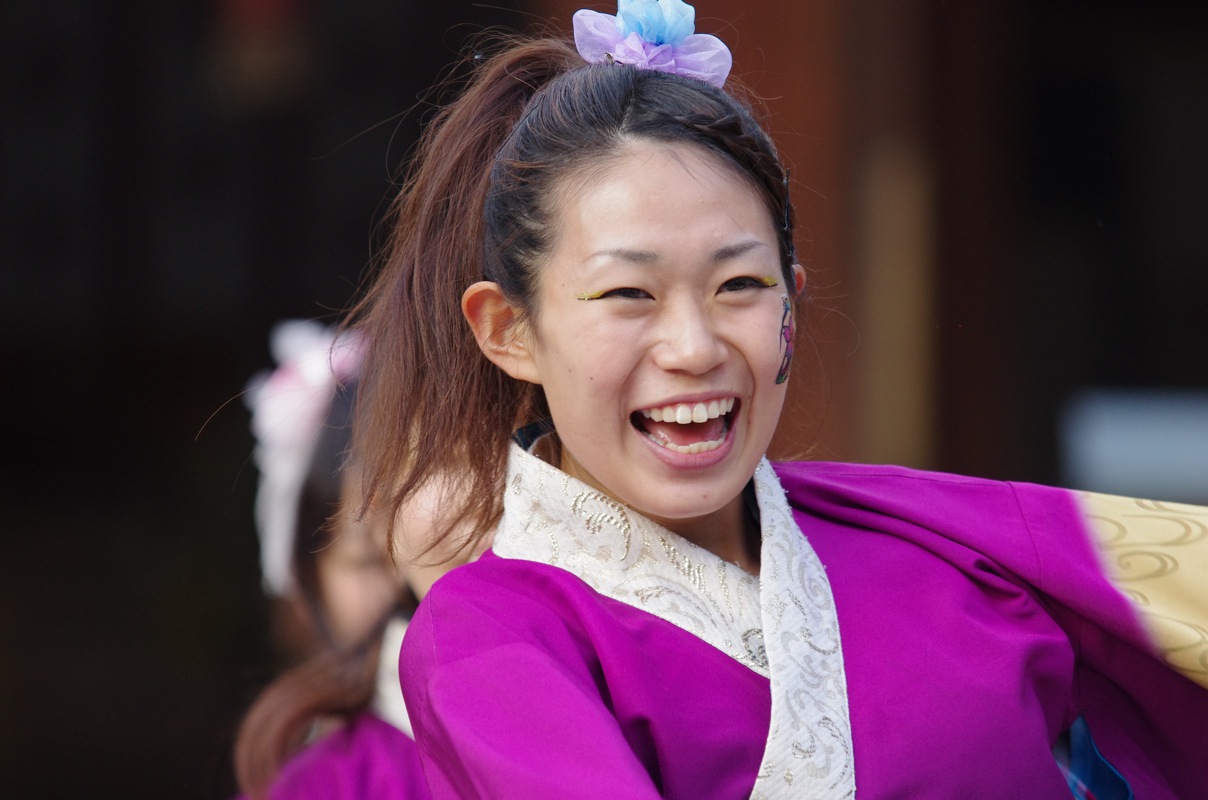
(1088, 773)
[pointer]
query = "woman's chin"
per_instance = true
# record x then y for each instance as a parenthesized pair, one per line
(667, 485)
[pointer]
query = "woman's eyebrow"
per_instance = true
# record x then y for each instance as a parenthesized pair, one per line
(650, 257)
(735, 250)
(625, 254)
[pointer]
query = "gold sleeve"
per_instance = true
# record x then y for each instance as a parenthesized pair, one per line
(1156, 553)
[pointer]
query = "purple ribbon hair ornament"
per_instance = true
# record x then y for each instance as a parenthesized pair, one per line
(652, 34)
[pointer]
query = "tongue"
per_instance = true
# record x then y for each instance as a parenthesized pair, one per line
(684, 435)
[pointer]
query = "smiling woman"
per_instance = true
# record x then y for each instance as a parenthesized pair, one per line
(583, 328)
(687, 324)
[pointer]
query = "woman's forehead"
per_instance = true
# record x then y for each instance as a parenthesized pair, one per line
(655, 192)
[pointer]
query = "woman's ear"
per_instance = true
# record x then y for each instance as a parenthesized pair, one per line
(499, 331)
(798, 280)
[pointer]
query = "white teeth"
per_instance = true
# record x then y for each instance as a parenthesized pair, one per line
(696, 447)
(684, 413)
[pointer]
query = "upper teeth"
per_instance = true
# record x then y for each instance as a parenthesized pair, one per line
(684, 413)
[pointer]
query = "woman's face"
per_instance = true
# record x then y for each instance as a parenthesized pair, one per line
(357, 580)
(660, 331)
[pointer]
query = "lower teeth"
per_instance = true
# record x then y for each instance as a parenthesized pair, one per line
(689, 449)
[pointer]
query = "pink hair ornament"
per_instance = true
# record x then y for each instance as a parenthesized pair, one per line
(652, 34)
(289, 407)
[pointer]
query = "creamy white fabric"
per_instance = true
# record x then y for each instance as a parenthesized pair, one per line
(388, 701)
(782, 625)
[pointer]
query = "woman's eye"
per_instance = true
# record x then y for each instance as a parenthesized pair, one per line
(627, 293)
(744, 282)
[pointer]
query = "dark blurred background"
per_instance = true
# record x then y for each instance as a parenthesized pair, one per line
(1004, 206)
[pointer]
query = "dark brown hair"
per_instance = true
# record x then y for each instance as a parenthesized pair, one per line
(479, 205)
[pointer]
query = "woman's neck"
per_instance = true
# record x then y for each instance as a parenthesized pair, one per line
(731, 533)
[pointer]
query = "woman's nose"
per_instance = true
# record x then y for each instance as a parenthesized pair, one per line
(688, 341)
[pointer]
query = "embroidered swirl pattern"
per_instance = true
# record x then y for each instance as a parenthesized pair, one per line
(1156, 553)
(809, 750)
(555, 519)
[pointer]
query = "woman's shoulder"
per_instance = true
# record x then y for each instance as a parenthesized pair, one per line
(824, 484)
(494, 602)
(1016, 523)
(491, 581)
(854, 473)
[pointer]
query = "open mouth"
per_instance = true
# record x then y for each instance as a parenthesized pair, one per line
(687, 428)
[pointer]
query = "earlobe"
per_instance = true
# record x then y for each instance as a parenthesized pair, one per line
(498, 330)
(798, 280)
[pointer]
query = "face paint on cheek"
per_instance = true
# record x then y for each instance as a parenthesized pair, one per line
(788, 329)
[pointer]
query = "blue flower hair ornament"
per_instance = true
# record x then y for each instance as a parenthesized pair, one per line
(652, 34)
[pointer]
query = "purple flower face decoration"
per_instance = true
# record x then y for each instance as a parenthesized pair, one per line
(652, 34)
(788, 330)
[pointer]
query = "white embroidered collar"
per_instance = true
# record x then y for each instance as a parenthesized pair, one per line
(782, 625)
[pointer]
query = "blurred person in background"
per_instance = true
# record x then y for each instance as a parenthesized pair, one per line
(334, 725)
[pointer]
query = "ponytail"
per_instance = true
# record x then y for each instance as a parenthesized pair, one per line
(433, 411)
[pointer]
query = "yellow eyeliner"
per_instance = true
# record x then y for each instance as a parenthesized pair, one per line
(767, 280)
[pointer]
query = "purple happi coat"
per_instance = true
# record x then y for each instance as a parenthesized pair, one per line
(368, 759)
(977, 622)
